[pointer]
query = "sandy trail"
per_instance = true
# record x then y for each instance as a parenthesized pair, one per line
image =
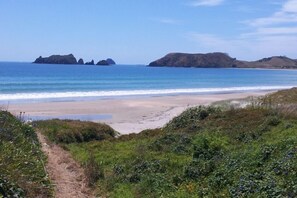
(65, 173)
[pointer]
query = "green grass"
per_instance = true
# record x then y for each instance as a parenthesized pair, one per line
(70, 131)
(243, 152)
(22, 172)
(204, 152)
(288, 96)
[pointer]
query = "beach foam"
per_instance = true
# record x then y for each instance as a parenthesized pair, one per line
(152, 92)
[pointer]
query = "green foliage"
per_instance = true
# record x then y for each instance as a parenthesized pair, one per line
(282, 97)
(70, 131)
(236, 153)
(177, 143)
(204, 152)
(192, 115)
(93, 171)
(22, 172)
(8, 189)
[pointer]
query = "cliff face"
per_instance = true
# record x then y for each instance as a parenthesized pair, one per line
(57, 59)
(222, 60)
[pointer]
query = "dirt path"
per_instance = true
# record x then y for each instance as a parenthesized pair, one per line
(66, 174)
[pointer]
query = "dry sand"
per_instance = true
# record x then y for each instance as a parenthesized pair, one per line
(128, 115)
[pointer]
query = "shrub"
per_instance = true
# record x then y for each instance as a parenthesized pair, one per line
(204, 150)
(93, 171)
(8, 189)
(199, 168)
(188, 117)
(273, 121)
(71, 131)
(177, 143)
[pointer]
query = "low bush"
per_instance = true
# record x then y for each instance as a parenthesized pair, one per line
(188, 117)
(8, 189)
(93, 171)
(177, 143)
(70, 131)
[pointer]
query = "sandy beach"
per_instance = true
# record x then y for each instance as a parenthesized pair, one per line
(127, 115)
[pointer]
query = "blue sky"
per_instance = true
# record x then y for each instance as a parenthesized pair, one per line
(140, 31)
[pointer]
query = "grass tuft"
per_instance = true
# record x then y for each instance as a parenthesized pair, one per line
(22, 172)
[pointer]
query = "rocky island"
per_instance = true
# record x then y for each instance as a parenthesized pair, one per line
(222, 60)
(90, 63)
(102, 62)
(80, 61)
(70, 59)
(110, 61)
(57, 59)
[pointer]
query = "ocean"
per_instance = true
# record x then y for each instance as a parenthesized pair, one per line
(26, 82)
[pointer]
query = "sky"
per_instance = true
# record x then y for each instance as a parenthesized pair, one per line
(140, 31)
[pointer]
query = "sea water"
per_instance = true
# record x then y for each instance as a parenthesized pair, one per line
(49, 82)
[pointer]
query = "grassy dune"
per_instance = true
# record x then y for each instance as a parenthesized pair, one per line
(22, 172)
(204, 152)
(70, 131)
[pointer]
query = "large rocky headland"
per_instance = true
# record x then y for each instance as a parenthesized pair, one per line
(69, 59)
(222, 60)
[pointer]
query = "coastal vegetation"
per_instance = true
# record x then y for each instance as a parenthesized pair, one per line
(204, 152)
(207, 151)
(74, 131)
(22, 172)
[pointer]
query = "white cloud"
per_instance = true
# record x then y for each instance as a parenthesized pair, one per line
(212, 43)
(271, 31)
(252, 48)
(206, 3)
(287, 14)
(290, 6)
(263, 37)
(276, 18)
(275, 34)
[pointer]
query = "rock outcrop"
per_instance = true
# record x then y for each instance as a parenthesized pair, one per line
(70, 59)
(57, 59)
(90, 63)
(222, 60)
(110, 61)
(80, 61)
(102, 62)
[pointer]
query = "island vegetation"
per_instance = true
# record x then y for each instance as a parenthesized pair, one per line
(207, 151)
(222, 60)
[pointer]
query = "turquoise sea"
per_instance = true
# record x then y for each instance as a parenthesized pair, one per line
(42, 82)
